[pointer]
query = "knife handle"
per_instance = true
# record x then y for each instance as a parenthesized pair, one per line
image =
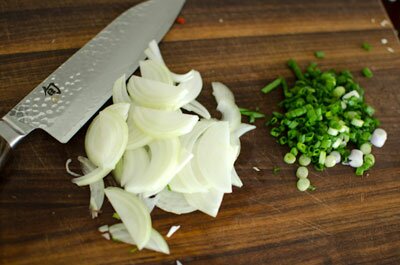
(9, 137)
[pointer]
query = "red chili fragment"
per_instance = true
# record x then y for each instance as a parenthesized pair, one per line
(181, 20)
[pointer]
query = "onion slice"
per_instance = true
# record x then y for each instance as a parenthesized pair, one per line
(156, 242)
(186, 180)
(133, 214)
(236, 181)
(135, 163)
(119, 92)
(153, 70)
(163, 123)
(153, 53)
(222, 93)
(163, 160)
(106, 139)
(173, 202)
(198, 108)
(136, 137)
(94, 176)
(154, 94)
(213, 156)
(206, 202)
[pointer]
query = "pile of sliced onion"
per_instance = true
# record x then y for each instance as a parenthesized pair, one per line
(159, 155)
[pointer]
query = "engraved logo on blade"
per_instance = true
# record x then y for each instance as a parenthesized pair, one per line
(51, 90)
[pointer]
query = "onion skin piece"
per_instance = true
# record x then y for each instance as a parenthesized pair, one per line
(133, 214)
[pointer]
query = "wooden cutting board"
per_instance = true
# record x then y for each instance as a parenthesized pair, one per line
(44, 218)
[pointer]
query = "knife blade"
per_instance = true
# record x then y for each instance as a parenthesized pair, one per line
(68, 97)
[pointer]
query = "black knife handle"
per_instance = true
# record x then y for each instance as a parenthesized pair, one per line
(5, 149)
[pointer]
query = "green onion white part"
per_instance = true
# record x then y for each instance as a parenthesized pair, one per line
(356, 158)
(303, 184)
(379, 137)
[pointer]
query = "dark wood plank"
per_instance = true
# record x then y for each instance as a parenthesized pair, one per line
(44, 218)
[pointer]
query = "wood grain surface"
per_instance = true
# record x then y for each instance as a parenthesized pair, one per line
(44, 218)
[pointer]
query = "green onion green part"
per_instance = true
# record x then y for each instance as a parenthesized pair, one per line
(251, 114)
(276, 170)
(366, 46)
(116, 216)
(271, 86)
(319, 54)
(367, 72)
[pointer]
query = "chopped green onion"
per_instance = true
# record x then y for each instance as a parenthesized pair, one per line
(116, 216)
(367, 72)
(338, 91)
(303, 184)
(271, 86)
(330, 161)
(253, 115)
(319, 54)
(302, 172)
(322, 157)
(366, 46)
(304, 160)
(296, 69)
(312, 188)
(366, 148)
(369, 158)
(289, 158)
(324, 113)
(357, 122)
(276, 170)
(294, 151)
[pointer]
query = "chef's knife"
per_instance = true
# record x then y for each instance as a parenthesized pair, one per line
(67, 98)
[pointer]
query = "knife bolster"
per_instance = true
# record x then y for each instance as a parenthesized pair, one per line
(5, 149)
(9, 137)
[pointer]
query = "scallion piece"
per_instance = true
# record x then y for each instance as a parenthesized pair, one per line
(366, 46)
(296, 69)
(367, 72)
(304, 160)
(330, 161)
(303, 184)
(319, 54)
(366, 148)
(271, 86)
(251, 114)
(302, 172)
(289, 158)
